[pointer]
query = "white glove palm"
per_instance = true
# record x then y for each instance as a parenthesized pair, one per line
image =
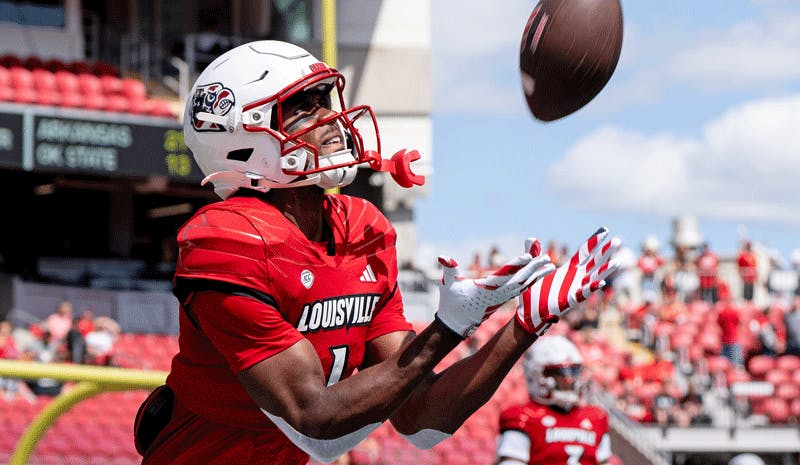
(543, 304)
(465, 303)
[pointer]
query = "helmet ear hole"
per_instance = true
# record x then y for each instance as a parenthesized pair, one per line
(240, 155)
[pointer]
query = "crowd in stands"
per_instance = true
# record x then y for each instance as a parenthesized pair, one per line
(679, 339)
(61, 337)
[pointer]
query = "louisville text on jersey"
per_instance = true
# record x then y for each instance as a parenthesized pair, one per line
(338, 312)
(571, 435)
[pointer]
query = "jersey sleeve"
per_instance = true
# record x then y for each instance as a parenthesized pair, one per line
(390, 318)
(222, 245)
(512, 419)
(243, 329)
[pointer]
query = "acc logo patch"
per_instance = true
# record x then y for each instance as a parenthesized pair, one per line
(307, 278)
(211, 98)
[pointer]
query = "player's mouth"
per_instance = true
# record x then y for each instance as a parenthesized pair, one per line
(332, 143)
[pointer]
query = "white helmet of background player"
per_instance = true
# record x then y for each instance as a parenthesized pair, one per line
(233, 122)
(553, 368)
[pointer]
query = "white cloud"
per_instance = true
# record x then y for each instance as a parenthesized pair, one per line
(748, 54)
(474, 43)
(743, 167)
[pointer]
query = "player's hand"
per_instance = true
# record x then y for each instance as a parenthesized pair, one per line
(543, 304)
(465, 303)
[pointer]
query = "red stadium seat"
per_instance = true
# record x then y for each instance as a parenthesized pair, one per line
(737, 375)
(138, 105)
(5, 77)
(788, 391)
(48, 97)
(21, 78)
(71, 99)
(6, 94)
(94, 102)
(788, 362)
(134, 89)
(89, 84)
(777, 377)
(759, 365)
(44, 79)
(161, 108)
(67, 81)
(718, 364)
(111, 84)
(117, 103)
(777, 410)
(24, 95)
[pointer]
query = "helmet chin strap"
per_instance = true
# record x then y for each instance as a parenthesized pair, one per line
(338, 177)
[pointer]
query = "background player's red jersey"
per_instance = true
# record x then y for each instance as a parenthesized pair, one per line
(579, 436)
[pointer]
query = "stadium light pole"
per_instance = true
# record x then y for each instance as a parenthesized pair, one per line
(329, 44)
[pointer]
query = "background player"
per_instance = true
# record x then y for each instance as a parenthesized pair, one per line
(292, 335)
(554, 427)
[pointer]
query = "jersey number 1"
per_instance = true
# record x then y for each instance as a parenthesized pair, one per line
(339, 355)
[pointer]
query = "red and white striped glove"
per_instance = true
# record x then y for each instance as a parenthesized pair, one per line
(543, 304)
(465, 303)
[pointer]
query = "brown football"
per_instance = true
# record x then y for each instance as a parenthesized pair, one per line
(569, 50)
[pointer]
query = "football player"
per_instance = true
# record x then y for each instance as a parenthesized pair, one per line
(554, 426)
(292, 337)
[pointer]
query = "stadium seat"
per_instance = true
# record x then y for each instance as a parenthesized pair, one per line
(24, 95)
(117, 103)
(67, 81)
(788, 362)
(777, 410)
(134, 89)
(89, 84)
(787, 390)
(5, 77)
(21, 78)
(718, 364)
(94, 102)
(161, 108)
(6, 94)
(759, 365)
(44, 80)
(48, 97)
(71, 99)
(777, 377)
(111, 84)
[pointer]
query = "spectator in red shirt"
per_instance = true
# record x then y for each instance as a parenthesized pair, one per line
(649, 264)
(747, 270)
(707, 267)
(728, 320)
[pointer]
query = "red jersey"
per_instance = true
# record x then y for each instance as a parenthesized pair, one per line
(579, 436)
(277, 288)
(649, 264)
(707, 266)
(747, 266)
(728, 320)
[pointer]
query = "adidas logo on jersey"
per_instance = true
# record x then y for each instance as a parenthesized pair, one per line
(368, 276)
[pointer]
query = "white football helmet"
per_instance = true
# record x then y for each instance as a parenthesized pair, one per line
(233, 122)
(553, 368)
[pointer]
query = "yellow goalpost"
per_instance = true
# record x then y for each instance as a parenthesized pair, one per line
(92, 380)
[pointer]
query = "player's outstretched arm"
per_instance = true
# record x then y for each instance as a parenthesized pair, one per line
(442, 404)
(326, 421)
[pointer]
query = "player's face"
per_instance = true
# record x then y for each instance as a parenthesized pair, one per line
(564, 376)
(306, 109)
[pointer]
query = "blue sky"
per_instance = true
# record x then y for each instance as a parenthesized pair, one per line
(706, 94)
